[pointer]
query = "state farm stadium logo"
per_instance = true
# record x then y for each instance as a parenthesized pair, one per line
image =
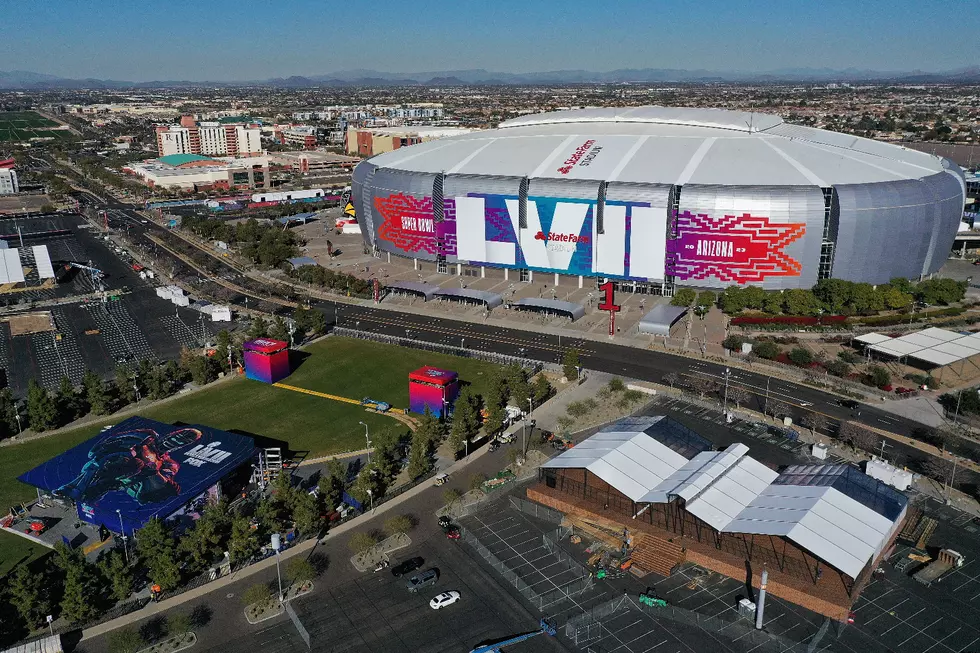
(557, 242)
(582, 156)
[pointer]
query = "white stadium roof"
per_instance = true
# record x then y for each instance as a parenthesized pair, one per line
(664, 145)
(825, 509)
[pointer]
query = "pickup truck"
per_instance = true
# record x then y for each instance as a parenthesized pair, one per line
(935, 571)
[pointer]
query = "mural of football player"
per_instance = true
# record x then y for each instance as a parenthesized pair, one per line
(136, 461)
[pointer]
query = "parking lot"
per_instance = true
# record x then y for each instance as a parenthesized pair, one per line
(90, 334)
(376, 613)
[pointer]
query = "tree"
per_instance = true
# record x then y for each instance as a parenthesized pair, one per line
(451, 495)
(733, 343)
(42, 412)
(732, 300)
(308, 514)
(517, 384)
(244, 542)
(205, 541)
(115, 570)
(838, 368)
(542, 389)
(259, 328)
(767, 350)
(310, 321)
(387, 451)
(773, 303)
(331, 485)
(125, 384)
(684, 297)
(466, 420)
(158, 550)
(96, 394)
(798, 301)
(279, 330)
(496, 420)
(670, 378)
(878, 376)
(738, 396)
(299, 571)
(8, 413)
(754, 297)
(814, 421)
(178, 624)
(398, 524)
(707, 299)
(67, 402)
(125, 640)
(27, 592)
(203, 369)
(361, 542)
(896, 299)
(833, 293)
(800, 356)
(630, 397)
(222, 348)
(570, 364)
(258, 594)
(859, 437)
(477, 481)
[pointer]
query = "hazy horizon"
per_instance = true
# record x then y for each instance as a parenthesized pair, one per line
(235, 41)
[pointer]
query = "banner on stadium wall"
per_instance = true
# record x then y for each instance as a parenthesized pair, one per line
(561, 236)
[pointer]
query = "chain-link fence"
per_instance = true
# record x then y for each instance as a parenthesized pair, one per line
(500, 359)
(536, 510)
(593, 624)
(539, 601)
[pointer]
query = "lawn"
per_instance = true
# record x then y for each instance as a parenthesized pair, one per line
(346, 367)
(15, 550)
(24, 125)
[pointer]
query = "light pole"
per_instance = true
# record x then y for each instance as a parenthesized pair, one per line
(276, 545)
(367, 439)
(530, 406)
(371, 497)
(727, 374)
(20, 429)
(122, 531)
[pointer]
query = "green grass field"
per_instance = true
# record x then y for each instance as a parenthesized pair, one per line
(346, 367)
(24, 125)
(15, 550)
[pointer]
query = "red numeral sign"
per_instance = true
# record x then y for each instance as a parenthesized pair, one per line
(608, 304)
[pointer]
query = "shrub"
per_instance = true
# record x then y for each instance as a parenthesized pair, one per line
(299, 571)
(178, 624)
(361, 542)
(838, 368)
(259, 593)
(616, 385)
(398, 524)
(766, 350)
(125, 640)
(477, 481)
(733, 343)
(800, 356)
(878, 376)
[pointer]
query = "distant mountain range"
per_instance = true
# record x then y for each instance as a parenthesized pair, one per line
(19, 79)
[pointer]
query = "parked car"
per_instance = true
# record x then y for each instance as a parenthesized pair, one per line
(444, 599)
(420, 581)
(406, 567)
(452, 532)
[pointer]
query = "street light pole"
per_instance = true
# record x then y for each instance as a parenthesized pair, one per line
(367, 440)
(276, 543)
(122, 531)
(371, 497)
(725, 409)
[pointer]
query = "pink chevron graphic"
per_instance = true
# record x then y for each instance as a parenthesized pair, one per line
(740, 249)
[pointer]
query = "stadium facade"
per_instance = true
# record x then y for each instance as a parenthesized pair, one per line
(658, 196)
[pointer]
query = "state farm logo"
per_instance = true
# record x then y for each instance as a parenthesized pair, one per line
(553, 237)
(577, 155)
(556, 242)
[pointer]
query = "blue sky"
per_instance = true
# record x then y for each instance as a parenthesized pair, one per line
(245, 39)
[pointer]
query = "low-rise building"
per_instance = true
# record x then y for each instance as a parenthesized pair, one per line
(8, 179)
(299, 136)
(191, 172)
(317, 161)
(377, 140)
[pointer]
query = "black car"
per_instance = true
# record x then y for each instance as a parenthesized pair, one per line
(407, 567)
(848, 403)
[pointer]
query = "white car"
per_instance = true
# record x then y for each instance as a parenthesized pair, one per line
(444, 599)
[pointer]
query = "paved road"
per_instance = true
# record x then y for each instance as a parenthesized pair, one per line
(644, 364)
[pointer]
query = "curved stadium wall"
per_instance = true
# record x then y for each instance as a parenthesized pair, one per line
(695, 197)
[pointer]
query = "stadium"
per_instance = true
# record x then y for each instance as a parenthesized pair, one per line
(656, 196)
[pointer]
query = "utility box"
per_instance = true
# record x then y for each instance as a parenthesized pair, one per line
(819, 451)
(746, 609)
